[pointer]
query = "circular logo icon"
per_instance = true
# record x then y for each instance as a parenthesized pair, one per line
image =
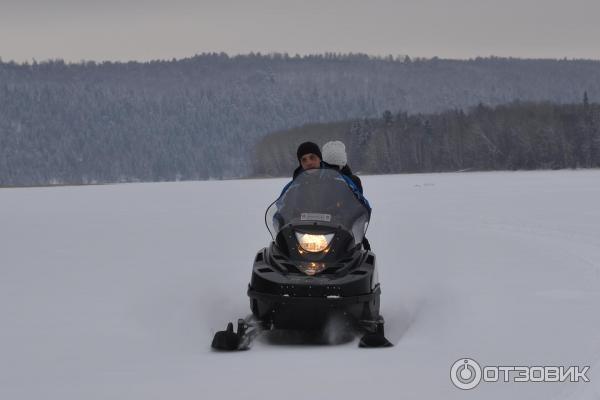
(465, 373)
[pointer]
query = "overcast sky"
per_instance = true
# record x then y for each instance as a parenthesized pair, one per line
(77, 30)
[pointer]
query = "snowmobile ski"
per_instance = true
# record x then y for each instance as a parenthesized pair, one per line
(228, 340)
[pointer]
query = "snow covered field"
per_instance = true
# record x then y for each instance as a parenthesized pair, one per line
(115, 292)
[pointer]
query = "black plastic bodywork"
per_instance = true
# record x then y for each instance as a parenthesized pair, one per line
(286, 297)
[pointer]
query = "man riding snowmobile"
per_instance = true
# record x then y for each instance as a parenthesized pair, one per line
(315, 268)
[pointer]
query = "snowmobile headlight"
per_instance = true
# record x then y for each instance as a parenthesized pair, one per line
(313, 243)
(311, 268)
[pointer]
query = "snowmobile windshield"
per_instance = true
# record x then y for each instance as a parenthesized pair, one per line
(323, 198)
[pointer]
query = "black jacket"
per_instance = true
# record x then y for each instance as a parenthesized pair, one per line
(297, 172)
(348, 172)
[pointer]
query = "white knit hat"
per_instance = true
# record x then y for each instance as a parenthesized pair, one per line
(334, 153)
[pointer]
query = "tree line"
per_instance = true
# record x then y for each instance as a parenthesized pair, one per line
(519, 135)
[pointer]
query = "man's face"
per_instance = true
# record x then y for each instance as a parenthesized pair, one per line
(310, 161)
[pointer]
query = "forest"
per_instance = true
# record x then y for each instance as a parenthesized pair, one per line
(204, 117)
(519, 135)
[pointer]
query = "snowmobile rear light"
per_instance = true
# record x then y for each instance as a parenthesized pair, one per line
(313, 243)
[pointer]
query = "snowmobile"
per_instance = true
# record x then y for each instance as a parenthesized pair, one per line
(316, 267)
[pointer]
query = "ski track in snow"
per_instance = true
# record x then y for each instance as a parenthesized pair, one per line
(115, 292)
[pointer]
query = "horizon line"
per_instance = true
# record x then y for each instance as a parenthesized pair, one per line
(287, 55)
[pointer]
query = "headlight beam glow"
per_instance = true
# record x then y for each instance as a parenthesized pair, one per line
(313, 243)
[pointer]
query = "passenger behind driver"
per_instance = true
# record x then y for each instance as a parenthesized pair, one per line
(334, 156)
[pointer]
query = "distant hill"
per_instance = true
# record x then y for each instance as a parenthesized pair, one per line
(201, 117)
